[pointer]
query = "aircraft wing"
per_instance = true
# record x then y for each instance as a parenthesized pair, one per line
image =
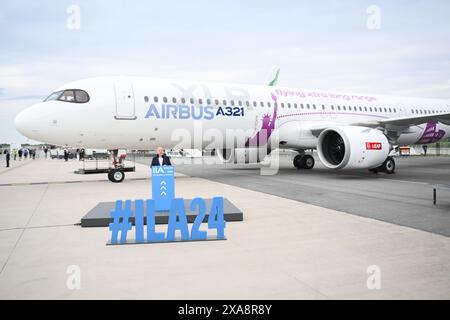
(399, 125)
(408, 121)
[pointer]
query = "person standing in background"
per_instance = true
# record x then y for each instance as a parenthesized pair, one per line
(8, 156)
(14, 154)
(20, 154)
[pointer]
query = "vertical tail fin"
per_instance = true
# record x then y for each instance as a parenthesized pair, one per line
(272, 77)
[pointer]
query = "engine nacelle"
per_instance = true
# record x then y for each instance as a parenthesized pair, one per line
(242, 155)
(352, 147)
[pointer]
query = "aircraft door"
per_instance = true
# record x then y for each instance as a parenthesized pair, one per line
(125, 108)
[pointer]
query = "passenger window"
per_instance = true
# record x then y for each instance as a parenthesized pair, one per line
(240, 103)
(155, 99)
(208, 102)
(224, 102)
(216, 102)
(183, 100)
(164, 99)
(174, 100)
(191, 100)
(200, 101)
(247, 103)
(268, 104)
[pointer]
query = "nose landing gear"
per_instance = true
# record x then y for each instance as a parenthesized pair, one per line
(117, 168)
(116, 175)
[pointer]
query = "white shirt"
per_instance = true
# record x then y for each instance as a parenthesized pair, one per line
(161, 159)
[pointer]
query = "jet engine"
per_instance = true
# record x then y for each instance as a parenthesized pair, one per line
(352, 147)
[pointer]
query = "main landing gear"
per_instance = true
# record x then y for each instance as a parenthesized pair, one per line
(388, 166)
(304, 161)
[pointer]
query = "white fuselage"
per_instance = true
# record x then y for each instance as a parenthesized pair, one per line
(144, 113)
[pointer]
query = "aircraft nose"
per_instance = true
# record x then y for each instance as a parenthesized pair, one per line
(24, 122)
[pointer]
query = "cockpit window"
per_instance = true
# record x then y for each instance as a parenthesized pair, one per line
(81, 96)
(53, 96)
(73, 95)
(67, 95)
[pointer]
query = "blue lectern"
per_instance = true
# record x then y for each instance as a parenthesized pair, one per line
(163, 187)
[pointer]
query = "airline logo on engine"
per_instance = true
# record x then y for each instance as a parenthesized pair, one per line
(374, 146)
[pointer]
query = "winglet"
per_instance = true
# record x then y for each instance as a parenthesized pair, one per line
(272, 78)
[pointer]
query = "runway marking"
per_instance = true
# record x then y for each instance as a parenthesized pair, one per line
(60, 182)
(75, 181)
(23, 230)
(406, 181)
(40, 227)
(16, 167)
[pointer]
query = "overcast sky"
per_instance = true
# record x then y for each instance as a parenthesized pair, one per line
(317, 44)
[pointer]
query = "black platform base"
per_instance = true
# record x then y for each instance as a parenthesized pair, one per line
(100, 215)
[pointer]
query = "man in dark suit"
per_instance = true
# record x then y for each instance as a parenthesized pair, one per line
(160, 159)
(8, 157)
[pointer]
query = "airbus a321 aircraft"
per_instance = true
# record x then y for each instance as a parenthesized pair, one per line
(349, 131)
